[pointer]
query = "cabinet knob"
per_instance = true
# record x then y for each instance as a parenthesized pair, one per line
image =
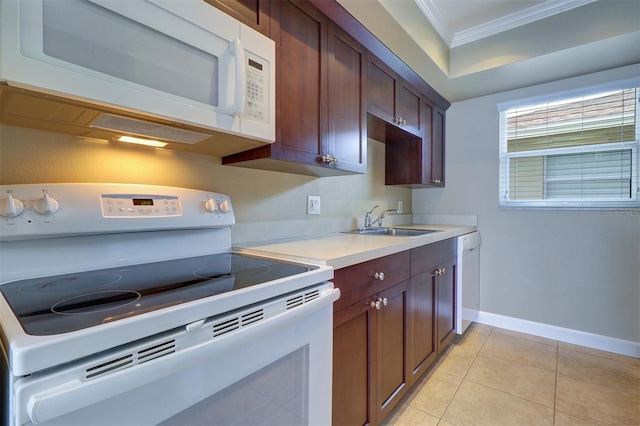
(438, 271)
(379, 276)
(436, 180)
(327, 159)
(379, 303)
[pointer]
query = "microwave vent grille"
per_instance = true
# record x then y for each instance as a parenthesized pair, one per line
(132, 126)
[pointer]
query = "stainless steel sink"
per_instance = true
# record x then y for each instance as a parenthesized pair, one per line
(398, 232)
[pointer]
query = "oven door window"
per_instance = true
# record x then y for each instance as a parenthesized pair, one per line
(276, 395)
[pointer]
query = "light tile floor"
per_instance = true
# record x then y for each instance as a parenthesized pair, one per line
(491, 376)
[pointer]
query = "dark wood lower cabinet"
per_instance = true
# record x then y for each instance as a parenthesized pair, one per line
(393, 332)
(370, 371)
(391, 348)
(424, 345)
(352, 343)
(445, 303)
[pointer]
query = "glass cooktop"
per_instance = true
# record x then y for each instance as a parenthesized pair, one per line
(70, 302)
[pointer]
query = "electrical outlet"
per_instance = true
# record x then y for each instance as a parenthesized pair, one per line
(400, 206)
(313, 204)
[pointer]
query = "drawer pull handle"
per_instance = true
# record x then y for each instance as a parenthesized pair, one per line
(379, 276)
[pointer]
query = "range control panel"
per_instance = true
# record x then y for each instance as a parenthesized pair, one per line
(137, 206)
(53, 210)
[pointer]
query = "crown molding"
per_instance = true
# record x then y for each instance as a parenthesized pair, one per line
(505, 23)
(437, 20)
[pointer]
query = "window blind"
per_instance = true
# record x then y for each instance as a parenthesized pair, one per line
(577, 152)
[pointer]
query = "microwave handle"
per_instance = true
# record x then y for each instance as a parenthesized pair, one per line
(237, 50)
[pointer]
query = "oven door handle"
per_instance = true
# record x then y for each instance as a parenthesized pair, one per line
(66, 398)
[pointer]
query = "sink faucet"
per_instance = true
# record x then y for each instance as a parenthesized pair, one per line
(367, 217)
(368, 222)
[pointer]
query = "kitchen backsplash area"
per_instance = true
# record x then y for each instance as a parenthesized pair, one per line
(268, 204)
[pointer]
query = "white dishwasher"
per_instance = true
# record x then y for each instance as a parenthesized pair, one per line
(467, 281)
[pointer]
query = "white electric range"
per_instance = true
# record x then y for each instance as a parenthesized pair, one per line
(125, 304)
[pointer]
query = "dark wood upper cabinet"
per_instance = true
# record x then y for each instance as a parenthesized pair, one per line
(254, 13)
(392, 99)
(333, 91)
(419, 161)
(346, 139)
(437, 147)
(320, 109)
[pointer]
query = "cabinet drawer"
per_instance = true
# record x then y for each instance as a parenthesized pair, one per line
(358, 281)
(431, 255)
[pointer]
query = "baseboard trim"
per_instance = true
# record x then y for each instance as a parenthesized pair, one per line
(576, 337)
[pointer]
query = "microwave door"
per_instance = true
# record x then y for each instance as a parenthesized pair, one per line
(197, 64)
(148, 56)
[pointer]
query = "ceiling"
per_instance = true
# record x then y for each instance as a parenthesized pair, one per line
(470, 48)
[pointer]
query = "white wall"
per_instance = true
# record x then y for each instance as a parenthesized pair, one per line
(573, 269)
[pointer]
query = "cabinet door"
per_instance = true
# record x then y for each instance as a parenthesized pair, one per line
(300, 79)
(254, 13)
(381, 90)
(353, 341)
(446, 304)
(392, 348)
(437, 147)
(424, 349)
(393, 100)
(409, 108)
(346, 140)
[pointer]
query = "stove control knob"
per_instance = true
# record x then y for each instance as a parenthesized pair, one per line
(46, 205)
(224, 206)
(210, 205)
(10, 207)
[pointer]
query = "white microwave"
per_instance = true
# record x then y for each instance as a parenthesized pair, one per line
(178, 60)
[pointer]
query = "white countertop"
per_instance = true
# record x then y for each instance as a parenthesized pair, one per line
(340, 250)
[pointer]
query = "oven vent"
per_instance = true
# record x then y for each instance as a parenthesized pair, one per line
(235, 323)
(308, 297)
(252, 317)
(301, 299)
(109, 366)
(156, 351)
(143, 355)
(226, 326)
(295, 301)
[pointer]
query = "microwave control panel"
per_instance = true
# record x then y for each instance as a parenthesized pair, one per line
(257, 92)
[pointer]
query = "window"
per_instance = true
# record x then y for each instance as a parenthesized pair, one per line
(571, 151)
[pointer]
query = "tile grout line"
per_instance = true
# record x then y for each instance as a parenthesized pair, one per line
(465, 375)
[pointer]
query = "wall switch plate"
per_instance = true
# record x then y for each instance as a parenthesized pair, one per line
(400, 210)
(313, 204)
